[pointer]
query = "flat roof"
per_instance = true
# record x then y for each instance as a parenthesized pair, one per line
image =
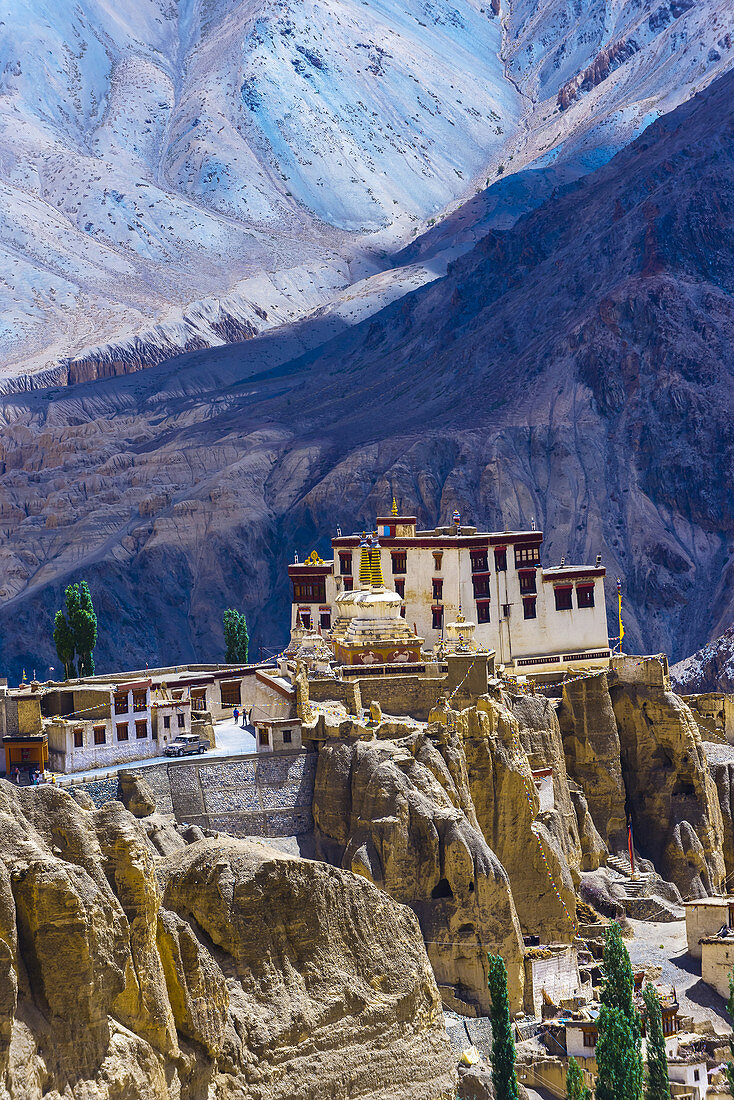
(715, 901)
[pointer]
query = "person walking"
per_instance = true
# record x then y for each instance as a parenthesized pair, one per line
(245, 721)
(235, 715)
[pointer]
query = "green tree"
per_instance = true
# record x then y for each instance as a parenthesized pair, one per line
(618, 1057)
(657, 1084)
(730, 1011)
(503, 1044)
(575, 1087)
(619, 1049)
(75, 634)
(64, 642)
(236, 638)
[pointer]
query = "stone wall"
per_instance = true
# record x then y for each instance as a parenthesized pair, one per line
(401, 694)
(339, 691)
(267, 796)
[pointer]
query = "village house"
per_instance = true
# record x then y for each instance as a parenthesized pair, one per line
(536, 619)
(25, 741)
(96, 726)
(717, 960)
(706, 917)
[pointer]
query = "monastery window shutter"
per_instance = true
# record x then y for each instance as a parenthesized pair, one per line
(122, 733)
(585, 595)
(140, 701)
(479, 563)
(527, 555)
(482, 611)
(500, 559)
(230, 690)
(527, 581)
(100, 735)
(121, 703)
(400, 587)
(345, 564)
(564, 597)
(437, 617)
(529, 607)
(141, 730)
(399, 561)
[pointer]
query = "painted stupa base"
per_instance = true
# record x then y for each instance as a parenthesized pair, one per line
(382, 654)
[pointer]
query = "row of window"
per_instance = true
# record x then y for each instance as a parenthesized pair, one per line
(524, 555)
(122, 731)
(140, 702)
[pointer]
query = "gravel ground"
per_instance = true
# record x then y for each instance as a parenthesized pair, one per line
(664, 945)
(717, 753)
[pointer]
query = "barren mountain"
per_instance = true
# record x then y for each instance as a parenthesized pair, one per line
(575, 369)
(710, 669)
(179, 174)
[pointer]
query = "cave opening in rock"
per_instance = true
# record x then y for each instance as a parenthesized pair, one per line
(442, 889)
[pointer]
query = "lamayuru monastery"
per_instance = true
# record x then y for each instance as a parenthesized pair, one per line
(431, 591)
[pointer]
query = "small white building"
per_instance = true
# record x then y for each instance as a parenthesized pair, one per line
(96, 726)
(552, 970)
(581, 1036)
(690, 1072)
(536, 619)
(704, 918)
(278, 735)
(717, 960)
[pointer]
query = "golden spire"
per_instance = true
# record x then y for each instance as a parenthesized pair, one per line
(394, 506)
(365, 574)
(376, 563)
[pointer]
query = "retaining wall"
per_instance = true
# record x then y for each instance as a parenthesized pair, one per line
(256, 795)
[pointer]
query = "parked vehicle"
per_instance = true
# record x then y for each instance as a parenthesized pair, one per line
(186, 744)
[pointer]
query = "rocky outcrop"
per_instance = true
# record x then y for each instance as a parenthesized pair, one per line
(710, 669)
(136, 795)
(672, 798)
(222, 966)
(394, 812)
(538, 850)
(592, 752)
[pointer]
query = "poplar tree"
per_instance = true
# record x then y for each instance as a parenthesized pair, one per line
(503, 1044)
(575, 1087)
(619, 1049)
(657, 1084)
(236, 638)
(75, 633)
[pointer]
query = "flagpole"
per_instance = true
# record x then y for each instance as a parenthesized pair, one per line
(619, 601)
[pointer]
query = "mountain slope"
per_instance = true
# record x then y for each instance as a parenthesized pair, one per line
(179, 174)
(575, 369)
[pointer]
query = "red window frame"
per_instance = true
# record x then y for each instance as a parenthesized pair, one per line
(584, 595)
(563, 594)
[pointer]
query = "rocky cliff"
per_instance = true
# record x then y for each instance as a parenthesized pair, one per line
(221, 969)
(710, 669)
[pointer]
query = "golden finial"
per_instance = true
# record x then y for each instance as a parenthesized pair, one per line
(314, 559)
(394, 506)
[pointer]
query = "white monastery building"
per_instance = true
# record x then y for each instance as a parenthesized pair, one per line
(535, 619)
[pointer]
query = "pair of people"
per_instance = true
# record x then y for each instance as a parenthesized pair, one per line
(245, 719)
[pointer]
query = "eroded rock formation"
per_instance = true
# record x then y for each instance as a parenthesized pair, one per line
(393, 812)
(222, 969)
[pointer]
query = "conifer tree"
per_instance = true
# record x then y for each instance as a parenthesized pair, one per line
(75, 633)
(503, 1044)
(619, 1049)
(236, 638)
(575, 1087)
(657, 1084)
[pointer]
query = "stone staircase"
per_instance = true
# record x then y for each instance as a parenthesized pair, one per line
(637, 884)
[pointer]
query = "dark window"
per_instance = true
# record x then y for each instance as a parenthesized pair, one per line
(481, 586)
(264, 738)
(349, 584)
(122, 733)
(437, 617)
(79, 739)
(198, 700)
(310, 591)
(139, 700)
(505, 611)
(437, 588)
(482, 611)
(500, 559)
(437, 559)
(527, 581)
(695, 1075)
(478, 561)
(399, 562)
(585, 595)
(528, 606)
(121, 704)
(230, 690)
(325, 620)
(304, 617)
(141, 730)
(181, 721)
(527, 555)
(564, 598)
(166, 721)
(400, 587)
(589, 1039)
(345, 565)
(287, 738)
(100, 735)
